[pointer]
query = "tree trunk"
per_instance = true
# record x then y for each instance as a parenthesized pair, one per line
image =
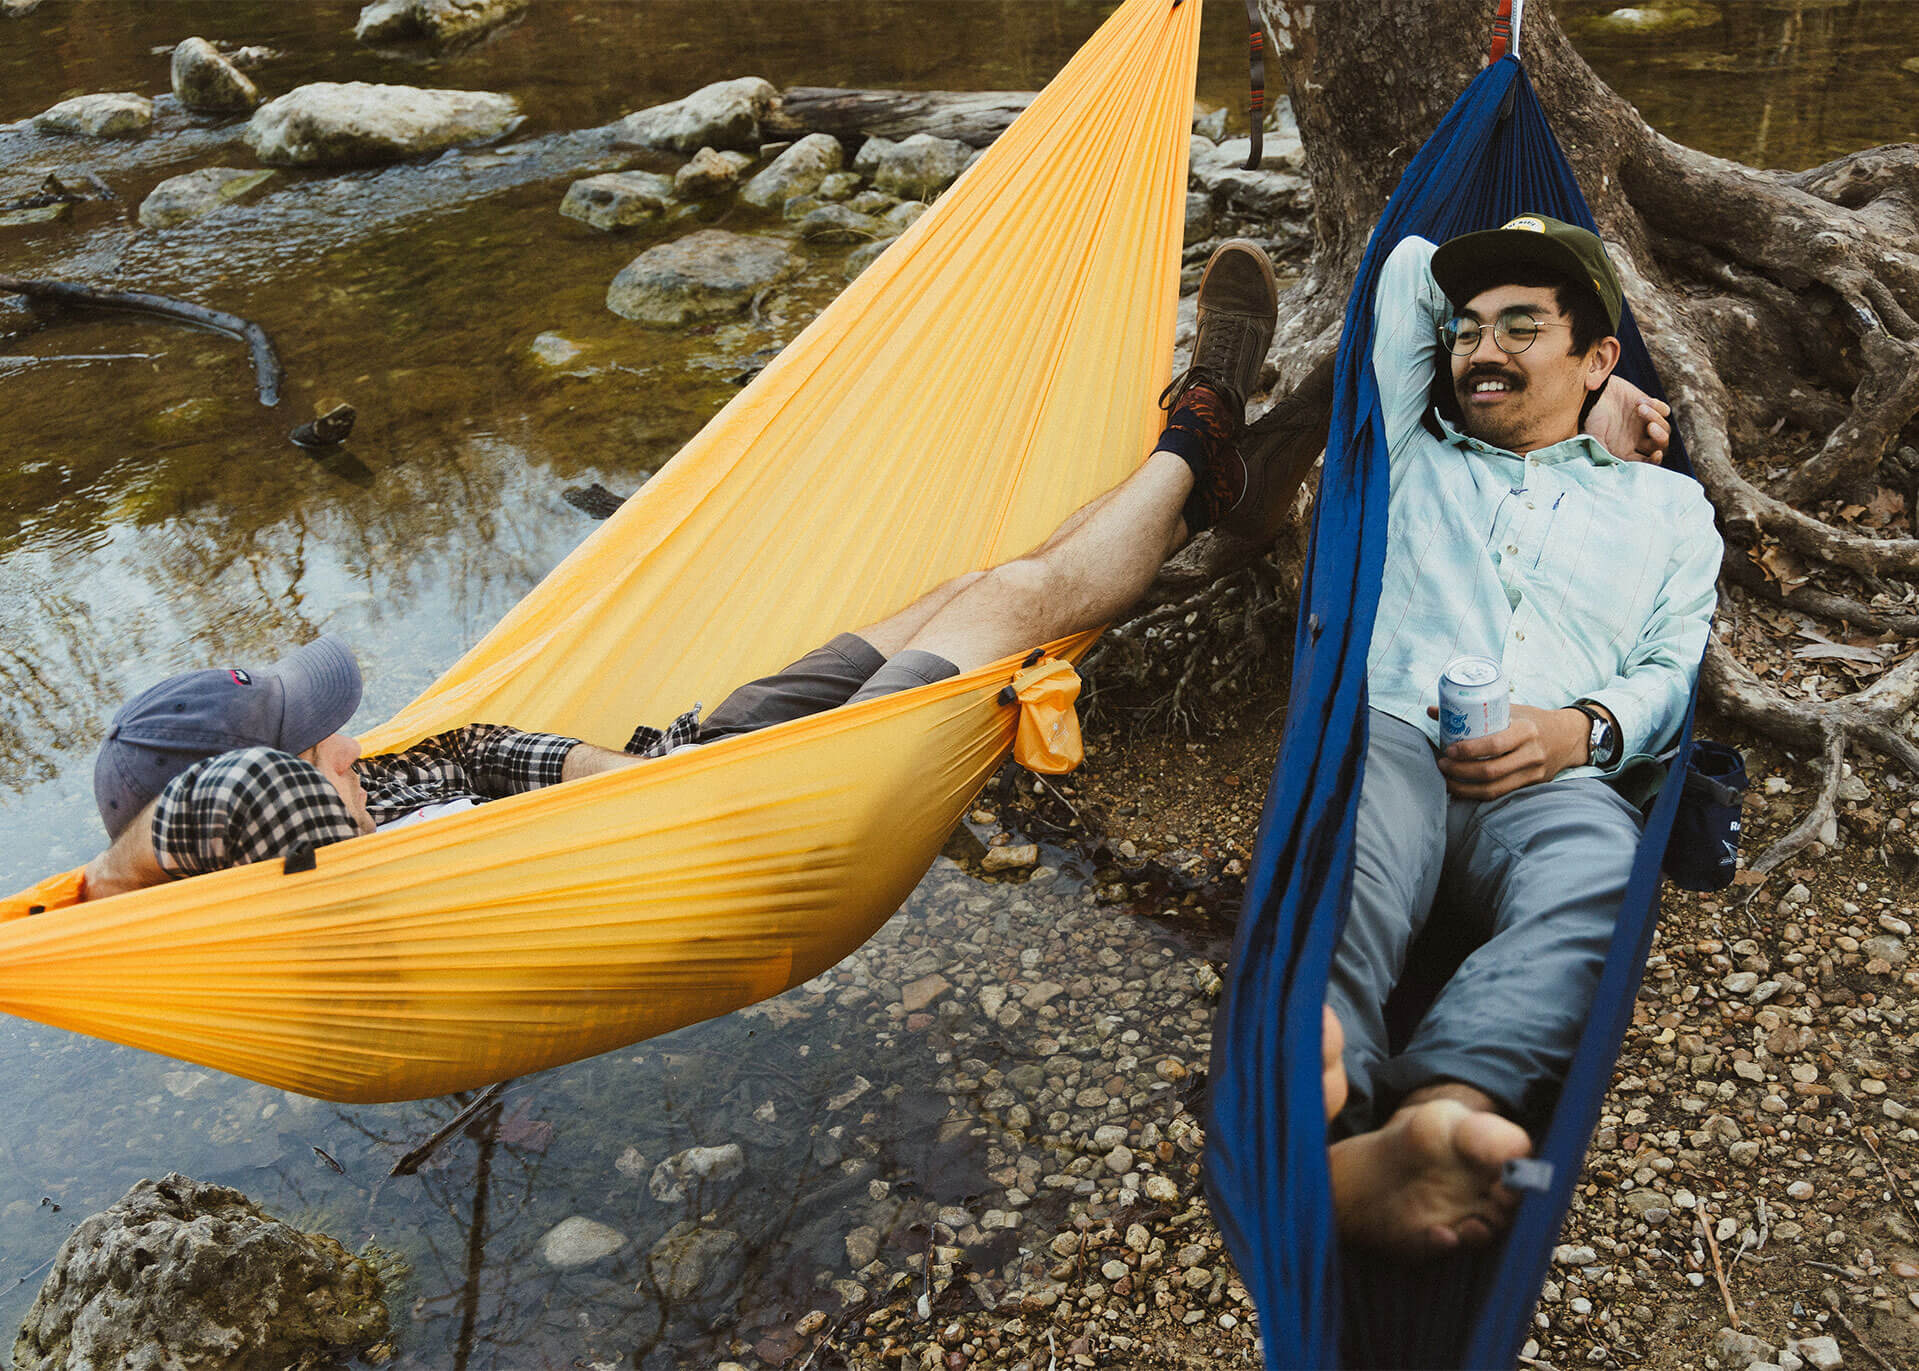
(1779, 307)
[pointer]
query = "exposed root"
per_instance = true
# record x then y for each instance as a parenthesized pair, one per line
(1871, 717)
(1809, 599)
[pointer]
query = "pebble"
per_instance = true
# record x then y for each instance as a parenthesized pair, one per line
(1800, 1190)
(1893, 924)
(693, 1170)
(1740, 982)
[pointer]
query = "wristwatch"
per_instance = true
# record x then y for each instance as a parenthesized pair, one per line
(1603, 741)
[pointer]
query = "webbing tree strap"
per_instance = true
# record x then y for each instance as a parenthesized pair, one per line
(1256, 100)
(1506, 30)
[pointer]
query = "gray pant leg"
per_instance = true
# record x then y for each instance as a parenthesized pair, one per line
(824, 678)
(1399, 849)
(1548, 865)
(907, 669)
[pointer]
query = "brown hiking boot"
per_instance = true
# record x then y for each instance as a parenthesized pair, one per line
(1238, 310)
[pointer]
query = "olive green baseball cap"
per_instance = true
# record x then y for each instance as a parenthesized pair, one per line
(1466, 265)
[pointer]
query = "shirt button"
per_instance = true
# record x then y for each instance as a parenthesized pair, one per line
(1520, 634)
(1511, 551)
(1531, 505)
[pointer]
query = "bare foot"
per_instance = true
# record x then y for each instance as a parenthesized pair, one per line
(1428, 1181)
(1332, 1069)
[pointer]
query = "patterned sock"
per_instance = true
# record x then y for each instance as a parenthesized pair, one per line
(1202, 430)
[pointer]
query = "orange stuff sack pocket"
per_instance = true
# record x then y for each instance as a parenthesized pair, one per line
(1048, 740)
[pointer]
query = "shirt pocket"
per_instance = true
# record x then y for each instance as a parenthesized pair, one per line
(1599, 570)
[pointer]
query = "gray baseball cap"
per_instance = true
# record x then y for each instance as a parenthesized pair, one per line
(306, 696)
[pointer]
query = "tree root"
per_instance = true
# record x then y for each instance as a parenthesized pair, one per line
(1870, 717)
(1808, 599)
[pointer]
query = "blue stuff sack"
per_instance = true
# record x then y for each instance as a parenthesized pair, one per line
(1703, 852)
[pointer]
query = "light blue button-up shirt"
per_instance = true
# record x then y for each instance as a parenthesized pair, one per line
(1584, 576)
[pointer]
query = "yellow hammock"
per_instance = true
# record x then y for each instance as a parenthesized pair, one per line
(992, 371)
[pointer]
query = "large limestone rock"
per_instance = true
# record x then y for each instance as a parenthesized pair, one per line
(331, 123)
(723, 115)
(121, 114)
(797, 171)
(198, 193)
(448, 23)
(183, 1276)
(618, 200)
(916, 168)
(205, 80)
(704, 275)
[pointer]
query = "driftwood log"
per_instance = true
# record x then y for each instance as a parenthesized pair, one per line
(267, 372)
(975, 118)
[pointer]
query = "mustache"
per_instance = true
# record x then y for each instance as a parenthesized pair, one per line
(1513, 379)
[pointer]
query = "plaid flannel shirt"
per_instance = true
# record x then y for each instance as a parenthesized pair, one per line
(257, 803)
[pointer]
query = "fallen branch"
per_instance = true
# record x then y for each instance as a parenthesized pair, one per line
(1718, 1271)
(1833, 1303)
(80, 357)
(267, 372)
(410, 1163)
(1892, 1181)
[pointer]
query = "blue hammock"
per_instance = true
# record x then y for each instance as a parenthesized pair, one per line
(1491, 158)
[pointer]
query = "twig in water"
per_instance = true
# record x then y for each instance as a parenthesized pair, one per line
(267, 372)
(36, 1271)
(83, 357)
(1718, 1271)
(1892, 1181)
(410, 1163)
(1832, 1303)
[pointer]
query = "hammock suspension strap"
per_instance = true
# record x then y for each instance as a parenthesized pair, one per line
(1505, 29)
(1256, 78)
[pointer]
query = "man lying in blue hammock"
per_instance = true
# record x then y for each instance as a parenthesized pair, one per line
(224, 767)
(1590, 581)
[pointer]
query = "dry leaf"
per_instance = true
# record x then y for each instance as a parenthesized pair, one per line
(1851, 512)
(1884, 507)
(1818, 652)
(1782, 565)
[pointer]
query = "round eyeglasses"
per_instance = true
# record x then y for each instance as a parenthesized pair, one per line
(1513, 332)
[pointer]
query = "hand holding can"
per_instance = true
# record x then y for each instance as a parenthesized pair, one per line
(1473, 700)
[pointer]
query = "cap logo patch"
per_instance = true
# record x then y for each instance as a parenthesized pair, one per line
(1524, 221)
(239, 677)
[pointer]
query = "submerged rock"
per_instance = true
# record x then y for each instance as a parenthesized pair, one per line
(915, 168)
(694, 1265)
(121, 114)
(694, 1168)
(205, 80)
(197, 193)
(710, 173)
(797, 171)
(704, 275)
(433, 21)
(723, 115)
(618, 199)
(579, 1241)
(353, 123)
(180, 1276)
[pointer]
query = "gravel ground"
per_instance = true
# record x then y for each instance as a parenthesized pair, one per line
(1761, 1108)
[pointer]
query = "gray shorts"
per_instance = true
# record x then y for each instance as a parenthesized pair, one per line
(1530, 882)
(844, 670)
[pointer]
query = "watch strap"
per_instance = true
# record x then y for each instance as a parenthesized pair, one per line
(1601, 726)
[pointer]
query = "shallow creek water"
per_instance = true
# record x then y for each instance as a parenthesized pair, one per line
(153, 518)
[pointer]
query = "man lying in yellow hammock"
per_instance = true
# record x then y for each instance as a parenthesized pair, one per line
(223, 767)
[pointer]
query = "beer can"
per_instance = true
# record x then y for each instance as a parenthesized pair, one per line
(1473, 699)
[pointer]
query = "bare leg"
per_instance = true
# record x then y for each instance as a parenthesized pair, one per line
(1098, 564)
(1428, 1181)
(888, 636)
